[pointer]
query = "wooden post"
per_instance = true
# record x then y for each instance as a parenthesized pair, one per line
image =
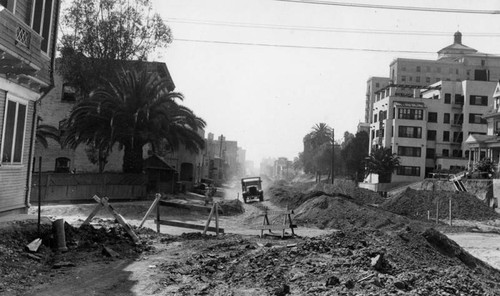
(437, 211)
(158, 218)
(208, 220)
(450, 211)
(151, 208)
(216, 205)
(428, 215)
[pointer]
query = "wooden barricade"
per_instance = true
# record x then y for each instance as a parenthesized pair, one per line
(214, 213)
(103, 203)
(287, 223)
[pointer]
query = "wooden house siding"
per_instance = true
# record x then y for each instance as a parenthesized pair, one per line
(13, 177)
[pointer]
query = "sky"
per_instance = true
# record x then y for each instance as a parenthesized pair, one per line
(299, 64)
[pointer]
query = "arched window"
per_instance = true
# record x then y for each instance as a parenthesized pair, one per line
(62, 165)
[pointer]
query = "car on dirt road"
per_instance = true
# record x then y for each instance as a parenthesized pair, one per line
(251, 188)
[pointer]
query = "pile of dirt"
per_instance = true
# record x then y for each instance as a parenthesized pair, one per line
(293, 195)
(21, 269)
(417, 203)
(356, 262)
(231, 207)
(341, 212)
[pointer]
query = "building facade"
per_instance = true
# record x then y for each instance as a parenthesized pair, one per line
(429, 108)
(28, 33)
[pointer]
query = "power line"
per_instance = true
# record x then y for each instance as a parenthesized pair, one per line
(394, 7)
(302, 46)
(322, 29)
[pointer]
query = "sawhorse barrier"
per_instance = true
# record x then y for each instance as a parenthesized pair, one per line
(158, 203)
(103, 203)
(287, 223)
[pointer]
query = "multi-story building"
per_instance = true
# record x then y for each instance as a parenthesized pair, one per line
(427, 131)
(28, 33)
(430, 107)
(481, 146)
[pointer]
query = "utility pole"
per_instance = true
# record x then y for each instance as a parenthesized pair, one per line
(333, 155)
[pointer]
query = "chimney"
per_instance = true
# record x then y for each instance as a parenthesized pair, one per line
(458, 37)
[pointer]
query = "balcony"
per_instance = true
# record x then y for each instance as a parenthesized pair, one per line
(21, 58)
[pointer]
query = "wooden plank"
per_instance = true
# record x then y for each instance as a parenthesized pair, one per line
(208, 220)
(187, 225)
(273, 227)
(277, 213)
(151, 208)
(185, 206)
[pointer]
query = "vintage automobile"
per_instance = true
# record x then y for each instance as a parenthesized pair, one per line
(251, 188)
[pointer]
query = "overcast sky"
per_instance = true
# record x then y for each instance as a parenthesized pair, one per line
(268, 97)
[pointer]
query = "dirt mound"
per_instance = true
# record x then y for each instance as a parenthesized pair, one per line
(341, 212)
(20, 269)
(231, 207)
(416, 204)
(355, 262)
(295, 194)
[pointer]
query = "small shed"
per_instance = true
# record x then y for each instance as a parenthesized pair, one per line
(161, 176)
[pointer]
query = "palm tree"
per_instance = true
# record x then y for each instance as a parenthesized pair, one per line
(44, 132)
(321, 133)
(382, 162)
(132, 110)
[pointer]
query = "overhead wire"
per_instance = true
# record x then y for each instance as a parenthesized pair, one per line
(321, 29)
(393, 7)
(302, 46)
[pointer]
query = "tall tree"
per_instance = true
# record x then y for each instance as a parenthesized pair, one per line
(98, 34)
(317, 156)
(382, 162)
(134, 109)
(353, 155)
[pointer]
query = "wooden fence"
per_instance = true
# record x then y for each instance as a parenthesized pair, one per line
(60, 187)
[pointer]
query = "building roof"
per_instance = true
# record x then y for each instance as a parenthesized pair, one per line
(156, 163)
(457, 48)
(480, 139)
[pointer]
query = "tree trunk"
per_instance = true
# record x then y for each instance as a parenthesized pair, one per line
(132, 159)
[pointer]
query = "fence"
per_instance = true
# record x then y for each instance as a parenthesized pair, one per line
(58, 187)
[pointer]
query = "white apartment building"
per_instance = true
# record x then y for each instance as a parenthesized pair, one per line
(429, 108)
(427, 131)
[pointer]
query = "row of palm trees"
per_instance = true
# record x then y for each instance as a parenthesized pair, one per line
(129, 111)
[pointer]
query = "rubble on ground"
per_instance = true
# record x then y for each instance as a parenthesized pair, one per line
(355, 262)
(417, 204)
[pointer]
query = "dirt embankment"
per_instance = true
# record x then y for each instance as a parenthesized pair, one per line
(417, 203)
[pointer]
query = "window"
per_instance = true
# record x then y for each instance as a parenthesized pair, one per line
(374, 117)
(14, 129)
(447, 98)
(459, 99)
(42, 21)
(408, 171)
(433, 117)
(456, 71)
(414, 114)
(428, 79)
(458, 119)
(483, 62)
(403, 78)
(410, 132)
(446, 118)
(446, 152)
(497, 126)
(446, 136)
(377, 85)
(69, 93)
(409, 151)
(430, 153)
(431, 135)
(476, 118)
(62, 165)
(418, 68)
(410, 78)
(479, 100)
